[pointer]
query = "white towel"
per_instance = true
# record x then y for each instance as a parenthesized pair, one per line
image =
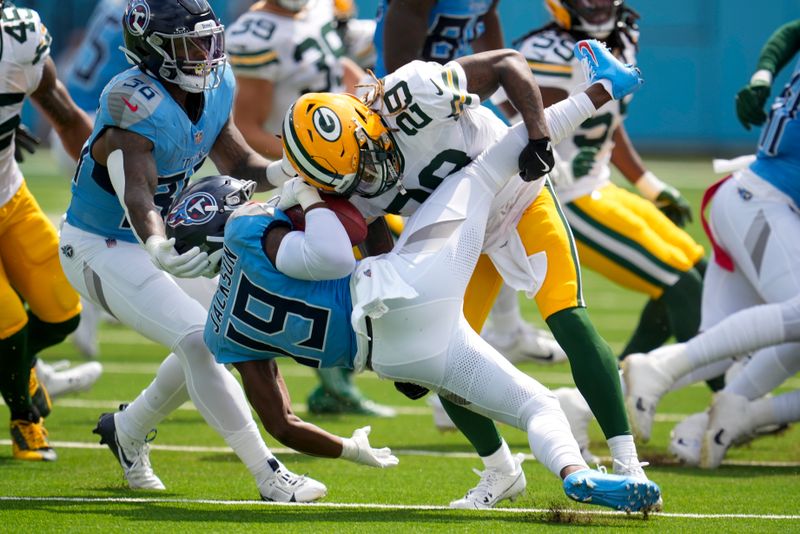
(520, 271)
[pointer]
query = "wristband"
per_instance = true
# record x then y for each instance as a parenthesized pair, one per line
(650, 186)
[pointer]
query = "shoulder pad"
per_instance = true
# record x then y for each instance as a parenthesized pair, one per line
(132, 98)
(26, 37)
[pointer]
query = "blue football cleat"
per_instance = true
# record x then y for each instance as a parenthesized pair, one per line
(600, 64)
(619, 492)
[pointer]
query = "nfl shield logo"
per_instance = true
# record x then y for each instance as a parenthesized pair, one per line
(198, 137)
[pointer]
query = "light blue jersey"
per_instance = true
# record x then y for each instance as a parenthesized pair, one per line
(259, 313)
(98, 58)
(137, 102)
(452, 25)
(778, 159)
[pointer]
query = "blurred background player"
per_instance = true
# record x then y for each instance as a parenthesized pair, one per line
(280, 50)
(29, 269)
(753, 229)
(356, 34)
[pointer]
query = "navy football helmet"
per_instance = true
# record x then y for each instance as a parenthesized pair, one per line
(197, 217)
(179, 41)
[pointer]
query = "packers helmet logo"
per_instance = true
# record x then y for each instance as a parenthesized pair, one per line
(138, 17)
(197, 208)
(327, 123)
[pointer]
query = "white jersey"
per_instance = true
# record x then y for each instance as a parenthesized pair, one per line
(439, 127)
(24, 45)
(550, 57)
(298, 54)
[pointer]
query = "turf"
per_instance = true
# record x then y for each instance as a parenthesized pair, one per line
(209, 490)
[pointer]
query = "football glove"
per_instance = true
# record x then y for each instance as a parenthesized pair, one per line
(190, 264)
(751, 98)
(536, 159)
(357, 449)
(24, 140)
(412, 391)
(297, 191)
(666, 198)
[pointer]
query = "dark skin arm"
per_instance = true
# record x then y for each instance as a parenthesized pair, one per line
(492, 36)
(70, 122)
(507, 68)
(405, 28)
(234, 157)
(625, 158)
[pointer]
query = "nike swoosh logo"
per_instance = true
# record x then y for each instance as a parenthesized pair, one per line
(439, 91)
(640, 405)
(718, 437)
(545, 166)
(583, 45)
(130, 106)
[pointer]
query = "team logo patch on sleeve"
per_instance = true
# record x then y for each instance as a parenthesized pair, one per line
(197, 208)
(138, 17)
(327, 123)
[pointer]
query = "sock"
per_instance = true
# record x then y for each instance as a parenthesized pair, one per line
(42, 335)
(623, 449)
(785, 408)
(15, 372)
(505, 315)
(766, 370)
(682, 301)
(652, 330)
(500, 460)
(479, 430)
(738, 334)
(594, 368)
(713, 372)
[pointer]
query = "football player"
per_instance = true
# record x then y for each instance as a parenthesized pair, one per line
(323, 313)
(753, 224)
(29, 268)
(279, 50)
(156, 124)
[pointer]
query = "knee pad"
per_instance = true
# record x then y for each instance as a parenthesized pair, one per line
(191, 347)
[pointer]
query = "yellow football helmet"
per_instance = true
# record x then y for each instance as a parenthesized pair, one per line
(596, 18)
(338, 144)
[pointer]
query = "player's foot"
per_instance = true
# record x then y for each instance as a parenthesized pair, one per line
(285, 486)
(729, 421)
(600, 64)
(440, 418)
(525, 343)
(645, 384)
(133, 455)
(79, 378)
(29, 441)
(687, 437)
(39, 394)
(579, 415)
(322, 402)
(494, 487)
(85, 336)
(619, 492)
(633, 468)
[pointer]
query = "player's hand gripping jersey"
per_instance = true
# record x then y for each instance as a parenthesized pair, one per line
(588, 152)
(24, 45)
(298, 54)
(138, 103)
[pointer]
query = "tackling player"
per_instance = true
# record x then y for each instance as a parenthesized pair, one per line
(29, 268)
(280, 50)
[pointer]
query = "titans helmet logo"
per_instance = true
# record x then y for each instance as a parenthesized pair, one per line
(137, 17)
(197, 208)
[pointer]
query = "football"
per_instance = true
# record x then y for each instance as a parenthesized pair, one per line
(352, 220)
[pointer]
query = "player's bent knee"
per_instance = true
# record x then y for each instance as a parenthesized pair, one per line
(191, 348)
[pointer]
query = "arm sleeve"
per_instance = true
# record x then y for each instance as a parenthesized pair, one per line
(780, 47)
(322, 252)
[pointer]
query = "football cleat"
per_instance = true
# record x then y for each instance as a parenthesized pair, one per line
(525, 343)
(29, 441)
(578, 415)
(687, 437)
(39, 394)
(626, 493)
(132, 455)
(729, 421)
(72, 380)
(322, 402)
(440, 418)
(285, 486)
(600, 64)
(494, 487)
(633, 468)
(645, 384)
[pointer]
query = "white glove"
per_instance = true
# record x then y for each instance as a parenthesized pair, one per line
(297, 191)
(190, 264)
(279, 171)
(357, 449)
(213, 264)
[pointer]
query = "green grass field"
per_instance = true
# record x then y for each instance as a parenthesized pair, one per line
(757, 489)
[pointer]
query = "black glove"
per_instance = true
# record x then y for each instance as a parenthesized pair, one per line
(24, 140)
(750, 102)
(536, 159)
(412, 391)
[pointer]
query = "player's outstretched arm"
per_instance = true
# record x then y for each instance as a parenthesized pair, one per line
(234, 157)
(70, 122)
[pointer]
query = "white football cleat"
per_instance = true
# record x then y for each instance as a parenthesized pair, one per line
(578, 415)
(70, 380)
(729, 421)
(285, 486)
(440, 418)
(494, 487)
(526, 342)
(645, 384)
(687, 438)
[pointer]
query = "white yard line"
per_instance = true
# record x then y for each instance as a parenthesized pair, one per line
(374, 506)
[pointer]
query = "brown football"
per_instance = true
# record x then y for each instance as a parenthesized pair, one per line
(352, 220)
